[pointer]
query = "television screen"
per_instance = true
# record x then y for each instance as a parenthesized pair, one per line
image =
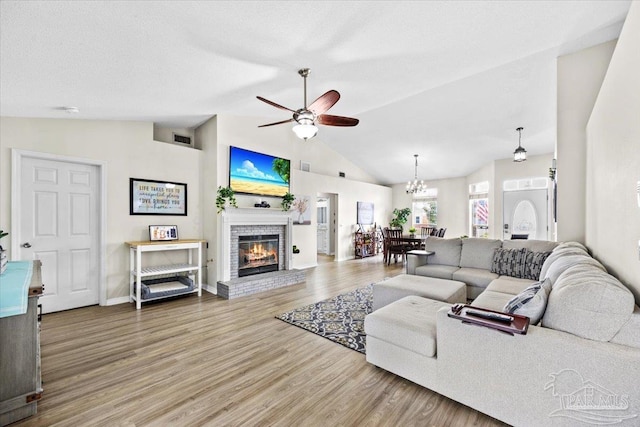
(257, 173)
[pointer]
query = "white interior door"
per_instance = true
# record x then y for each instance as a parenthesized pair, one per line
(525, 212)
(323, 229)
(59, 225)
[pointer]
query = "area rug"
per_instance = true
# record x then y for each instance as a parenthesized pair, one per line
(340, 319)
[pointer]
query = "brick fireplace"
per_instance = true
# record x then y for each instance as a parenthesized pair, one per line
(237, 225)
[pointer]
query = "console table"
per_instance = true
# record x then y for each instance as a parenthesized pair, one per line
(137, 272)
(20, 374)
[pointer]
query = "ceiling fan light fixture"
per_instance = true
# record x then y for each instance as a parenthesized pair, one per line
(520, 154)
(307, 117)
(305, 130)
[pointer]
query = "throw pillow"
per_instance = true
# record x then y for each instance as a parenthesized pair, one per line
(533, 264)
(532, 302)
(509, 262)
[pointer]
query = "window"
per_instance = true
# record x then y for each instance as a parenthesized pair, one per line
(479, 215)
(479, 209)
(424, 208)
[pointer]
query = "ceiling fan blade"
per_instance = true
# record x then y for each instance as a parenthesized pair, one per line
(276, 123)
(274, 104)
(324, 102)
(329, 120)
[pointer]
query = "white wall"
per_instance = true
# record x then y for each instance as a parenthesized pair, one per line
(207, 137)
(452, 204)
(613, 161)
(129, 152)
(579, 78)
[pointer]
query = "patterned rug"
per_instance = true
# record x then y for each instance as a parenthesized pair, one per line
(340, 319)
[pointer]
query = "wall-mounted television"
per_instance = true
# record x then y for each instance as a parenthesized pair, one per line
(257, 173)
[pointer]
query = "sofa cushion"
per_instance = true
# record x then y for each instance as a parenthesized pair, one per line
(478, 253)
(439, 271)
(629, 333)
(531, 302)
(561, 264)
(574, 245)
(508, 262)
(559, 252)
(492, 300)
(447, 251)
(509, 285)
(532, 245)
(474, 276)
(409, 323)
(587, 302)
(533, 264)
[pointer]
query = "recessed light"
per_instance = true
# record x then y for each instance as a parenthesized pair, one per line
(71, 110)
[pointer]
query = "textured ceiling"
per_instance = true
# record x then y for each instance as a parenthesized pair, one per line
(448, 80)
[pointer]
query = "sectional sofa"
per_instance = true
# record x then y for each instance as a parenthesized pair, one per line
(579, 364)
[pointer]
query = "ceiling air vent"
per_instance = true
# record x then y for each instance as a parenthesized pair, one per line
(182, 139)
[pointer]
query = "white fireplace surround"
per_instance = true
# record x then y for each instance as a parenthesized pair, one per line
(251, 217)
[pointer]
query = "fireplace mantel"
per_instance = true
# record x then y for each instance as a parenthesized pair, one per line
(251, 217)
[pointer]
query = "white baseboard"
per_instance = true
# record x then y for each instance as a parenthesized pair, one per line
(211, 289)
(119, 300)
(305, 266)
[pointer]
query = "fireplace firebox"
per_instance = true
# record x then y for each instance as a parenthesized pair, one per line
(257, 254)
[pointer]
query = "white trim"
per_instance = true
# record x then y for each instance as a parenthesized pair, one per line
(16, 172)
(211, 289)
(116, 301)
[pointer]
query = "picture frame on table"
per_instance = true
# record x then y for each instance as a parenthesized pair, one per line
(163, 232)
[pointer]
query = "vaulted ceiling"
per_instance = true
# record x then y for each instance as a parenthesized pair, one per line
(448, 80)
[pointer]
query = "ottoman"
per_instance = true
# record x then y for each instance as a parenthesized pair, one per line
(402, 338)
(403, 285)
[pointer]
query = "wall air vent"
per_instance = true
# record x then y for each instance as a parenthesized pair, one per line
(182, 139)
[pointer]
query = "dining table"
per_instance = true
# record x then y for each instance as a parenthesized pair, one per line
(415, 241)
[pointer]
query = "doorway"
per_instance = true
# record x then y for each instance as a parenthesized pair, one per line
(326, 224)
(525, 214)
(58, 218)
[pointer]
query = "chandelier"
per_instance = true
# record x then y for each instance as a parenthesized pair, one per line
(520, 155)
(416, 186)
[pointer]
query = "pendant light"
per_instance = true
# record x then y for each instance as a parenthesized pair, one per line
(520, 155)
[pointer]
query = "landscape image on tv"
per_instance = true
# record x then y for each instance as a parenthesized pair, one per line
(257, 173)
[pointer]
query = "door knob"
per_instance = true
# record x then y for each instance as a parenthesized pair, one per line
(26, 245)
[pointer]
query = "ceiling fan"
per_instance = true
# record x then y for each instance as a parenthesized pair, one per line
(308, 116)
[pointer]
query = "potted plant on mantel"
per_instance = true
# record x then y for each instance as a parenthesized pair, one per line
(400, 218)
(226, 197)
(287, 200)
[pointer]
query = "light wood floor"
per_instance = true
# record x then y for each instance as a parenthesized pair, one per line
(208, 361)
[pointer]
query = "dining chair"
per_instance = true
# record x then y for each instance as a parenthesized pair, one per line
(385, 243)
(441, 232)
(397, 246)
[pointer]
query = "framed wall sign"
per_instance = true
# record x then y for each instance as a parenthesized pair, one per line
(163, 232)
(148, 197)
(365, 213)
